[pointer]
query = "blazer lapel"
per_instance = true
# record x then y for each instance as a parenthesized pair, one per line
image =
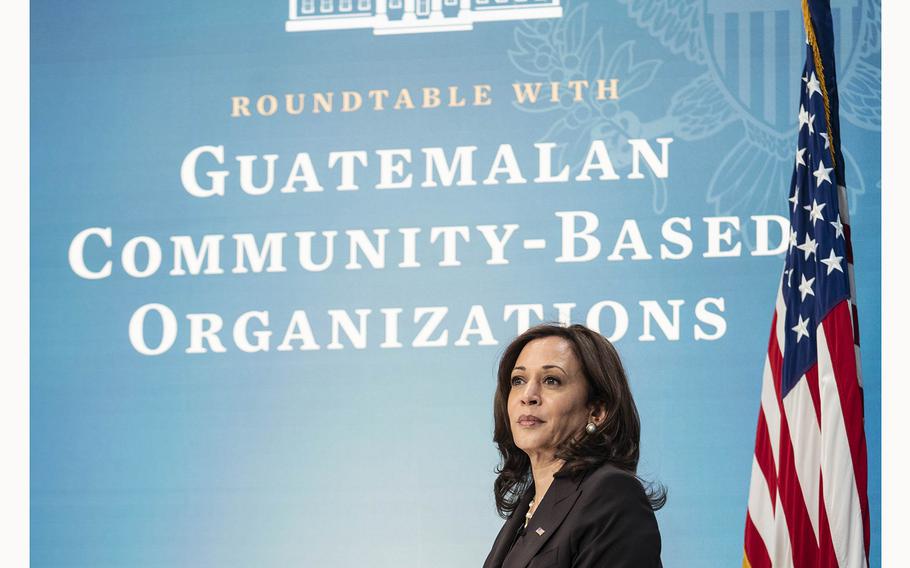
(509, 531)
(556, 504)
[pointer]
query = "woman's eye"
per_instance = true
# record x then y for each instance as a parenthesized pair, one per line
(551, 381)
(517, 381)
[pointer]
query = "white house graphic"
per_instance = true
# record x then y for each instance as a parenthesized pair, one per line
(412, 16)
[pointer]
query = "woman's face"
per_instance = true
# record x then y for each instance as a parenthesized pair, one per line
(548, 396)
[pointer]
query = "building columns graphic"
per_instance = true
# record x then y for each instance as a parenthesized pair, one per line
(410, 8)
(436, 10)
(417, 16)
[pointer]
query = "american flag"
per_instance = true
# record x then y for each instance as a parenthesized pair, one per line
(808, 504)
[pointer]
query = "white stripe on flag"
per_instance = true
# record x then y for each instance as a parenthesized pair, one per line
(760, 507)
(772, 413)
(841, 496)
(806, 439)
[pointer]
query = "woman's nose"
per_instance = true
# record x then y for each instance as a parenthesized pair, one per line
(531, 394)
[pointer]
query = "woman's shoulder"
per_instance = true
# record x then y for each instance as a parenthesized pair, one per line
(608, 476)
(608, 488)
(613, 519)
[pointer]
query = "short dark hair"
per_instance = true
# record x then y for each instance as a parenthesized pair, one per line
(616, 440)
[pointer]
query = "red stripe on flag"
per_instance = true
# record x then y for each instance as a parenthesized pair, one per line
(756, 552)
(765, 457)
(774, 356)
(838, 331)
(812, 383)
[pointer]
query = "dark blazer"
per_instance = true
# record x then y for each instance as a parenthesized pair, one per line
(602, 519)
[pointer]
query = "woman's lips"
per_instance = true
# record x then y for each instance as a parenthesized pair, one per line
(529, 421)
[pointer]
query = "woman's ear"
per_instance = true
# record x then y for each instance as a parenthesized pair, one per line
(597, 412)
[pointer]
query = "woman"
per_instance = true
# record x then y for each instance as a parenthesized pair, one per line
(568, 433)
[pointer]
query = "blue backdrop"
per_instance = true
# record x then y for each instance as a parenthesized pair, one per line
(169, 428)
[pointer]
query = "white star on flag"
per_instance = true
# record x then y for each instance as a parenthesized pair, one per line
(793, 242)
(801, 328)
(821, 174)
(808, 247)
(811, 124)
(815, 211)
(803, 116)
(838, 227)
(788, 273)
(805, 287)
(813, 85)
(799, 157)
(832, 262)
(825, 136)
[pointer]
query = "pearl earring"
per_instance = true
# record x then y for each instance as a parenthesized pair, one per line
(590, 428)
